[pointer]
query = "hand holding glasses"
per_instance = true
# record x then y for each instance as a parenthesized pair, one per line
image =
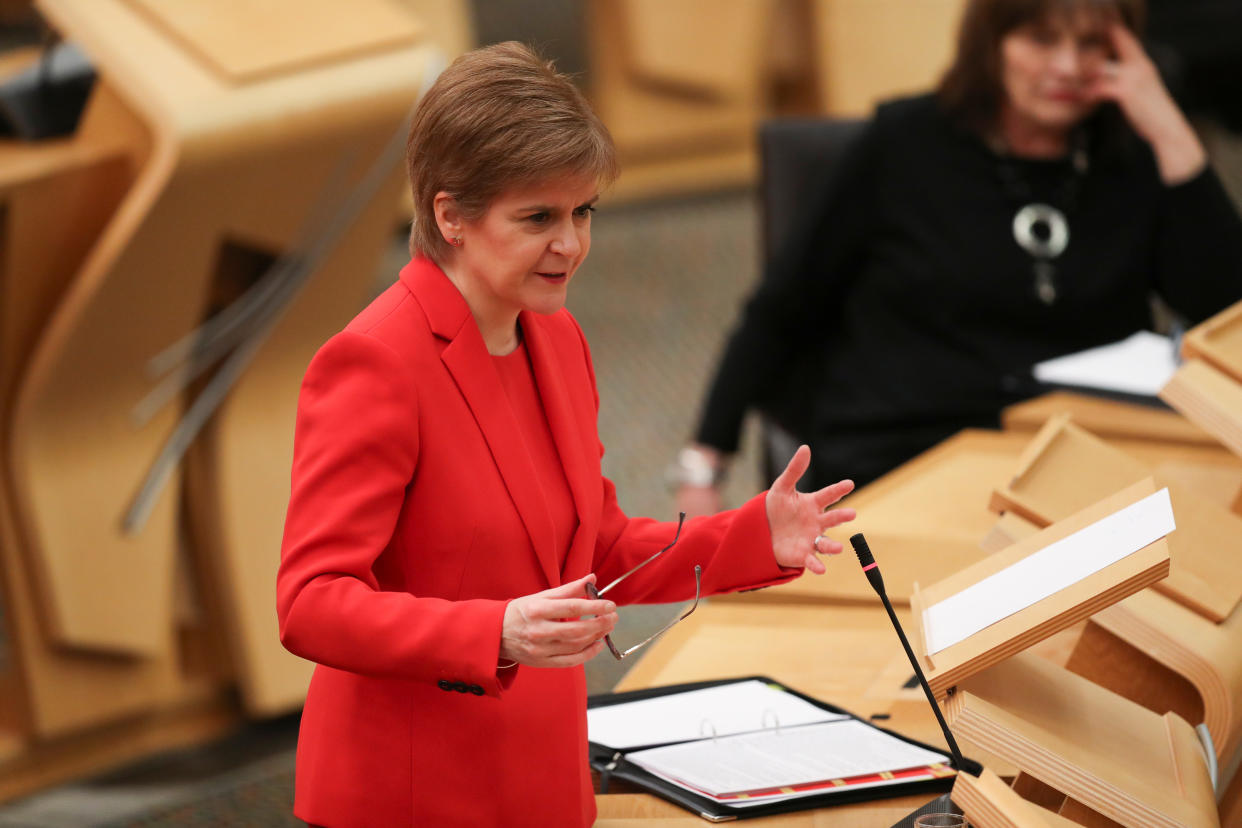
(594, 594)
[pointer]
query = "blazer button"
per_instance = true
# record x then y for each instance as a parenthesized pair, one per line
(459, 686)
(476, 689)
(444, 684)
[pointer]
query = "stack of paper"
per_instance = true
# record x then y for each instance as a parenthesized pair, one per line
(1139, 364)
(769, 765)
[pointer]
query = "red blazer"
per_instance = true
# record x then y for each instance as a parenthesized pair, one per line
(414, 517)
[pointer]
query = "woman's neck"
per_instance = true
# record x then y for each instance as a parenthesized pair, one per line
(498, 325)
(1023, 138)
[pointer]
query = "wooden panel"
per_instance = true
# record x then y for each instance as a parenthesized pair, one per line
(244, 41)
(1057, 612)
(1126, 762)
(709, 47)
(1111, 662)
(1208, 655)
(1105, 417)
(989, 803)
(1218, 341)
(1065, 469)
(1209, 398)
(869, 50)
(638, 810)
(650, 122)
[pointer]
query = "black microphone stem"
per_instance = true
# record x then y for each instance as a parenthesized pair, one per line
(872, 571)
(948, 734)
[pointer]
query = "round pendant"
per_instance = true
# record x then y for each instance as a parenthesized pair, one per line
(1041, 230)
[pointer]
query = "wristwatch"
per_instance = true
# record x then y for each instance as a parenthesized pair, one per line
(695, 467)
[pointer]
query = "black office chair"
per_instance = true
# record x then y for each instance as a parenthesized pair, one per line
(796, 156)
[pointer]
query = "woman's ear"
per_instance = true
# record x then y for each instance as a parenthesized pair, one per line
(448, 216)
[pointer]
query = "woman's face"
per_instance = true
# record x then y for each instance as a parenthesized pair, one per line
(521, 254)
(1047, 67)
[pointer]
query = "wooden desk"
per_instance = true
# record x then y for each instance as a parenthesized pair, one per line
(638, 810)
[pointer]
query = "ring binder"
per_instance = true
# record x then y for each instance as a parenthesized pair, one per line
(615, 762)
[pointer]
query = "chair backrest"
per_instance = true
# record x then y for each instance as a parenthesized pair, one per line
(798, 156)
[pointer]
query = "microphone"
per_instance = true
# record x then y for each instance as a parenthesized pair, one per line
(872, 570)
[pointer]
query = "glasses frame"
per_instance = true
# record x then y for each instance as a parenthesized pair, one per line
(594, 593)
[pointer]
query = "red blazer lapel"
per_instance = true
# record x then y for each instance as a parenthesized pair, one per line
(565, 424)
(467, 360)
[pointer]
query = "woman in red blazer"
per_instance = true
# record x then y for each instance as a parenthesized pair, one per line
(448, 509)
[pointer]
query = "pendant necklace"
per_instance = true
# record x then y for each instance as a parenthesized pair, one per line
(1040, 228)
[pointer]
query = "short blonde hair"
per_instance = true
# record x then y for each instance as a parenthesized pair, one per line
(499, 117)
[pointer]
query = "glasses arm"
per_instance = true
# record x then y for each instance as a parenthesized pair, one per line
(681, 518)
(698, 578)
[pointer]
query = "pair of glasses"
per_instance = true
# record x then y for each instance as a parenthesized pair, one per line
(698, 581)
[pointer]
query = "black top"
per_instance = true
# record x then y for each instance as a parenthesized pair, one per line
(905, 282)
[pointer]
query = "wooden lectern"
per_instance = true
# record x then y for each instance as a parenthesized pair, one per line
(1106, 759)
(1179, 650)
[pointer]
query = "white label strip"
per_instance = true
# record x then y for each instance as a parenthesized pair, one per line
(1059, 565)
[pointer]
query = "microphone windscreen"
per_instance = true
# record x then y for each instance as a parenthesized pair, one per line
(859, 543)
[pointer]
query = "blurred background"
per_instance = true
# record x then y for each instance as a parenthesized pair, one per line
(165, 163)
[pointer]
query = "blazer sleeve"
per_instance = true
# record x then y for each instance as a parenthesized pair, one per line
(734, 547)
(355, 450)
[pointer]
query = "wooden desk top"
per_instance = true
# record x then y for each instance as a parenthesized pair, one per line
(637, 810)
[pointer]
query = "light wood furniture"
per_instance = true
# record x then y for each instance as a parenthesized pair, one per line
(1047, 616)
(1159, 650)
(869, 50)
(683, 86)
(639, 810)
(989, 803)
(1110, 756)
(200, 157)
(1106, 418)
(1206, 388)
(1065, 468)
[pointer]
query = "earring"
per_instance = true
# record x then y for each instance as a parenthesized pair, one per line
(455, 241)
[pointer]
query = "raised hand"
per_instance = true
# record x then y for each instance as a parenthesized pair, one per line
(1132, 82)
(797, 520)
(546, 629)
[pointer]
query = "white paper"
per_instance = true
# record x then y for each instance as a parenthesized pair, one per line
(785, 757)
(1142, 363)
(1053, 568)
(736, 707)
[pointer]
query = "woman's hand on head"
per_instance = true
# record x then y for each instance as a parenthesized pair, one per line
(797, 520)
(1132, 82)
(547, 629)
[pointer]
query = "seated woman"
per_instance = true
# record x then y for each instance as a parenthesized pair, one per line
(1028, 208)
(448, 519)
